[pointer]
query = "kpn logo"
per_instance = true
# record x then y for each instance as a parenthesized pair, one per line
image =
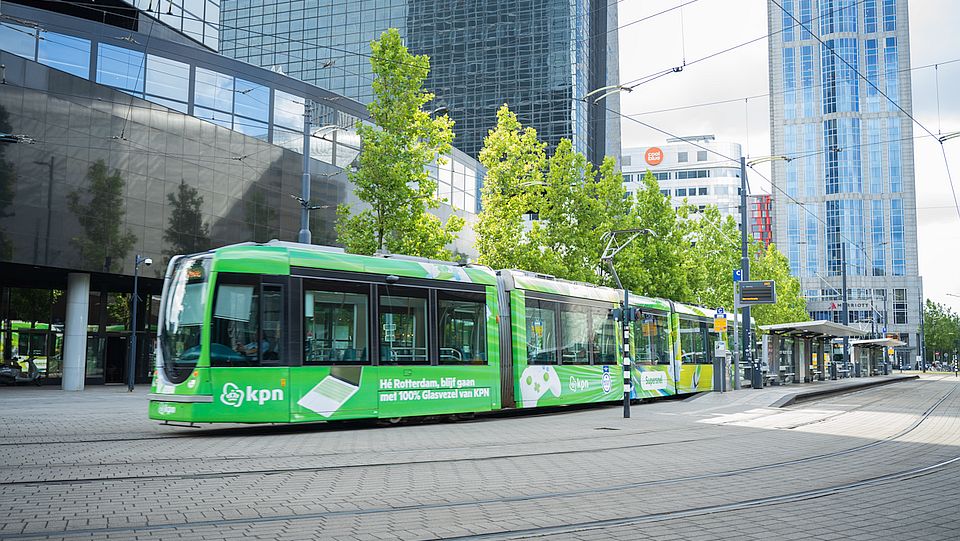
(233, 395)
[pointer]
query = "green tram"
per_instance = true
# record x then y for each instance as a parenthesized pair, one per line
(283, 332)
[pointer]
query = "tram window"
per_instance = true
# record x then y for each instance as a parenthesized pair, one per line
(403, 326)
(575, 334)
(463, 327)
(692, 348)
(234, 335)
(603, 344)
(336, 324)
(541, 332)
(651, 339)
(271, 340)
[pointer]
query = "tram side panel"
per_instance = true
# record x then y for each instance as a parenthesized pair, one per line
(652, 376)
(548, 369)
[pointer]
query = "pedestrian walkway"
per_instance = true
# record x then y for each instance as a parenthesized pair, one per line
(785, 395)
(877, 462)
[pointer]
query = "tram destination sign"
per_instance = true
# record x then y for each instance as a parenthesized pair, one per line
(757, 292)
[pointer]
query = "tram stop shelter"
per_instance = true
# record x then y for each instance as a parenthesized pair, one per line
(800, 351)
(874, 354)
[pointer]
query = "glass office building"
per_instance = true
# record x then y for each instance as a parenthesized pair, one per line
(538, 56)
(851, 187)
(115, 143)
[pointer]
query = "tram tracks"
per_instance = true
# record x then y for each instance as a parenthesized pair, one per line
(711, 509)
(774, 499)
(454, 460)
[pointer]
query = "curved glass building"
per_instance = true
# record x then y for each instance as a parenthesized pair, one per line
(133, 138)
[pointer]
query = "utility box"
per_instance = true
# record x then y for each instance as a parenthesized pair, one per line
(720, 366)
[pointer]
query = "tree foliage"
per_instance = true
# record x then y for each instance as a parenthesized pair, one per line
(571, 204)
(941, 331)
(689, 256)
(103, 242)
(514, 159)
(392, 176)
(656, 264)
(186, 232)
(33, 305)
(770, 264)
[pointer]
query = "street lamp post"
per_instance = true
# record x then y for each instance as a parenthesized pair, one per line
(756, 378)
(612, 248)
(132, 361)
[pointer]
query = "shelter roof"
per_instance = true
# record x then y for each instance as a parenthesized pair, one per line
(813, 329)
(878, 343)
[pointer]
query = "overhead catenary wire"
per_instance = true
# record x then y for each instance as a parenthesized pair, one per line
(882, 93)
(633, 83)
(249, 31)
(766, 95)
(693, 142)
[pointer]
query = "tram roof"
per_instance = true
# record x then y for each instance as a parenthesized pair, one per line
(278, 257)
(820, 328)
(544, 283)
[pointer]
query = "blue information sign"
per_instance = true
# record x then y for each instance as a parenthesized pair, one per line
(737, 275)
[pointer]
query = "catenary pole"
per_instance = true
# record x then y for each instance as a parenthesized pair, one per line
(305, 235)
(756, 379)
(845, 316)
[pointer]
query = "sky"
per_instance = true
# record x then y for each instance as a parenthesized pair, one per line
(703, 27)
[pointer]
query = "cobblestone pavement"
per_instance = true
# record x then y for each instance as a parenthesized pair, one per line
(876, 463)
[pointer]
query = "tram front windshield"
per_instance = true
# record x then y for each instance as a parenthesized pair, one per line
(182, 313)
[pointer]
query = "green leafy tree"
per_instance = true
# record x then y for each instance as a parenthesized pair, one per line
(656, 265)
(103, 242)
(579, 205)
(118, 308)
(514, 159)
(941, 332)
(33, 305)
(392, 176)
(768, 263)
(186, 232)
(714, 253)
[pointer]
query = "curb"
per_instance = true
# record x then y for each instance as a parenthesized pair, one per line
(804, 396)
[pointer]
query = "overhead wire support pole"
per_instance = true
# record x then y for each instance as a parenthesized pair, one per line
(612, 248)
(756, 379)
(305, 235)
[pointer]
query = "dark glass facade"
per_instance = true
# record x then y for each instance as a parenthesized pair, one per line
(111, 148)
(538, 56)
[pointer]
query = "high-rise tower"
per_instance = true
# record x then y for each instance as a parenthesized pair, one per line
(840, 99)
(538, 56)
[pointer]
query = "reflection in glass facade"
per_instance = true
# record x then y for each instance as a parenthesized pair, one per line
(538, 56)
(198, 19)
(852, 185)
(155, 150)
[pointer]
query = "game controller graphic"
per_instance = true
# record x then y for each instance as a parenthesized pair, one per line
(535, 382)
